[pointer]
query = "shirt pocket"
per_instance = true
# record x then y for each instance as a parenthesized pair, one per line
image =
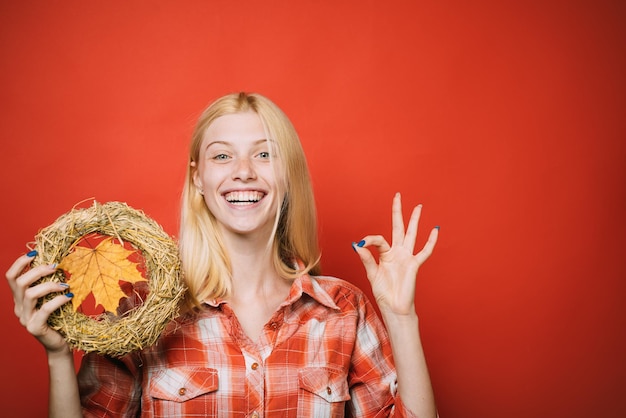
(180, 384)
(323, 392)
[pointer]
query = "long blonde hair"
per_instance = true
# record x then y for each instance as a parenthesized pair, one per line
(206, 264)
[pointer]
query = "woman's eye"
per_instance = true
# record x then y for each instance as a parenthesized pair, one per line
(264, 155)
(221, 157)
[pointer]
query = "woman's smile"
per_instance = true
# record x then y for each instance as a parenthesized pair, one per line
(237, 173)
(243, 197)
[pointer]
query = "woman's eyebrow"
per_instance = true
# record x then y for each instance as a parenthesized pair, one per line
(217, 142)
(221, 142)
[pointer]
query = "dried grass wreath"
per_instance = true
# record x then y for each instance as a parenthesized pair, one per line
(139, 327)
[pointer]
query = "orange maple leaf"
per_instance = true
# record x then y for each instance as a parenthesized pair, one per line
(98, 271)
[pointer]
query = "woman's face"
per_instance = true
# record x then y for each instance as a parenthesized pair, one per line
(236, 170)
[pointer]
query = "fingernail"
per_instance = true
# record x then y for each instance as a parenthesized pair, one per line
(69, 295)
(354, 246)
(65, 285)
(32, 253)
(437, 227)
(361, 243)
(53, 266)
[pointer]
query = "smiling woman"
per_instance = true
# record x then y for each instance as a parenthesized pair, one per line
(234, 173)
(262, 332)
(238, 129)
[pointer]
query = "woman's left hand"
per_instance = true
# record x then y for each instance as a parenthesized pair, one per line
(393, 277)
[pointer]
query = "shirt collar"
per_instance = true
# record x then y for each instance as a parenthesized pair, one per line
(309, 285)
(304, 284)
(215, 302)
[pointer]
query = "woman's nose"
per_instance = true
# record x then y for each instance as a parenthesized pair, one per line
(244, 170)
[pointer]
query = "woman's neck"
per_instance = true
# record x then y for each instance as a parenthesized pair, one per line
(253, 271)
(257, 288)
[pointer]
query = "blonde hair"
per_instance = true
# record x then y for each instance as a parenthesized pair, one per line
(294, 250)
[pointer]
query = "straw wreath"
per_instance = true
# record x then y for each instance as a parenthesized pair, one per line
(141, 326)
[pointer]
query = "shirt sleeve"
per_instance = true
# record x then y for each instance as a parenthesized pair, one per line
(372, 377)
(109, 387)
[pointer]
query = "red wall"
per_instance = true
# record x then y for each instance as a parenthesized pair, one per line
(505, 120)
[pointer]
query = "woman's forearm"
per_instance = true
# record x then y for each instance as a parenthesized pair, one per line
(414, 387)
(64, 401)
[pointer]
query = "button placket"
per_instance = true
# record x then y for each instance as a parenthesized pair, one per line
(255, 384)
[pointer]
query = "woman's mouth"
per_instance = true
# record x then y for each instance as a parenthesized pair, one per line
(243, 197)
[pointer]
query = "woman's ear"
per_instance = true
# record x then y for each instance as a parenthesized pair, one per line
(194, 175)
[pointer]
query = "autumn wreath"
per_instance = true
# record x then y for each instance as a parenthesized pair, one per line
(109, 274)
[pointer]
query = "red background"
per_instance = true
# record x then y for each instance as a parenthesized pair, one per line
(505, 119)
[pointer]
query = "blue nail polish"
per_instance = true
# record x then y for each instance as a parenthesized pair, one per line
(354, 246)
(69, 295)
(65, 285)
(32, 253)
(437, 227)
(361, 243)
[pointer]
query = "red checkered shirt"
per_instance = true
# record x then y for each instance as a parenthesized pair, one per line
(324, 353)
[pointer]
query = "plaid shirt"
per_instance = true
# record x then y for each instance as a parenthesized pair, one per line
(324, 353)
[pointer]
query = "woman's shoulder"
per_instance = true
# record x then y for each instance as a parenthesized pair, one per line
(331, 282)
(340, 291)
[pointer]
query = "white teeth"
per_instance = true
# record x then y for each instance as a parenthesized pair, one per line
(243, 197)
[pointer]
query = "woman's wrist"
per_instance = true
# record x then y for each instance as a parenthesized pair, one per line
(399, 319)
(59, 355)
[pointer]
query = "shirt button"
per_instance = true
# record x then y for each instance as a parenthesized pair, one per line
(274, 325)
(182, 391)
(328, 390)
(255, 414)
(254, 366)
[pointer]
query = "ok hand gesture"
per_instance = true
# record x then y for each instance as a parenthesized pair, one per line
(393, 277)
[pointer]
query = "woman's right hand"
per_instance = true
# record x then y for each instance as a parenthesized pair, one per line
(25, 297)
